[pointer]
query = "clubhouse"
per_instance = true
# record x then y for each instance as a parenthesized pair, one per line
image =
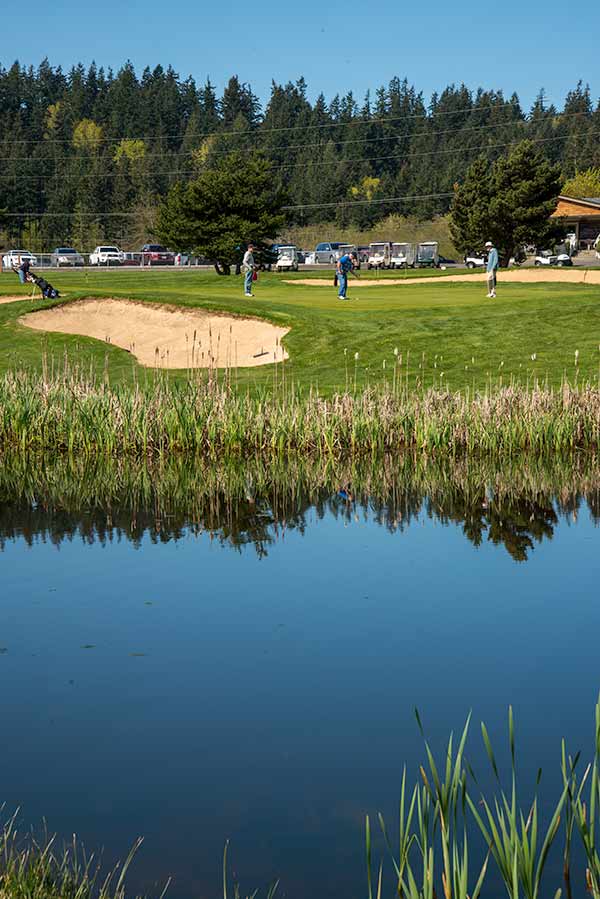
(582, 216)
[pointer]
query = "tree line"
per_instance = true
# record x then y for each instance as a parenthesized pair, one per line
(88, 155)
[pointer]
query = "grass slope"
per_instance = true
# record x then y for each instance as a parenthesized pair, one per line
(445, 333)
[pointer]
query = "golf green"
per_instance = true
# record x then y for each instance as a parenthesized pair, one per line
(442, 333)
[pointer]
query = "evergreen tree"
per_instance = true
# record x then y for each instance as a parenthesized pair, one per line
(510, 203)
(225, 207)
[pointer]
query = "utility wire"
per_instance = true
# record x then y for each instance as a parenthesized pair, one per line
(308, 165)
(259, 131)
(364, 140)
(301, 206)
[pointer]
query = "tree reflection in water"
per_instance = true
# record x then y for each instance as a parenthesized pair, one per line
(515, 504)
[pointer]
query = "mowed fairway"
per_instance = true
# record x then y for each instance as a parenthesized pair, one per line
(445, 333)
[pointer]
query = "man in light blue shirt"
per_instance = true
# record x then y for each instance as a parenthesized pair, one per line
(491, 268)
(345, 264)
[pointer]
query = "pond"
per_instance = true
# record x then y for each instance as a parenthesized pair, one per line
(197, 654)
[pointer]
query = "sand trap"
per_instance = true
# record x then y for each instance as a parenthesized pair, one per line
(163, 336)
(521, 275)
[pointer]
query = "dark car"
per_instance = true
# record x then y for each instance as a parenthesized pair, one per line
(155, 254)
(266, 257)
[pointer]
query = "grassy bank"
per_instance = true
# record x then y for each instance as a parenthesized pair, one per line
(74, 412)
(446, 333)
(432, 851)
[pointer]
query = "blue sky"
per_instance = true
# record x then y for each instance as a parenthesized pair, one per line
(337, 46)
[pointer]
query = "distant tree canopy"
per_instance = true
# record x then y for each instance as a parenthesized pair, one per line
(94, 149)
(583, 184)
(508, 202)
(223, 208)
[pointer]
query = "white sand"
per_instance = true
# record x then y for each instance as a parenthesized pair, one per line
(162, 336)
(521, 276)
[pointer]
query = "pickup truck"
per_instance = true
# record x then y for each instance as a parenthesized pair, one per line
(106, 256)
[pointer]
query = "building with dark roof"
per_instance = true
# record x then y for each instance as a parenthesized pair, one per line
(582, 216)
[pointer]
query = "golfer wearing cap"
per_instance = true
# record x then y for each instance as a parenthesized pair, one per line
(249, 267)
(491, 268)
(345, 264)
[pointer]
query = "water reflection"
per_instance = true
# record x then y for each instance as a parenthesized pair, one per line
(515, 505)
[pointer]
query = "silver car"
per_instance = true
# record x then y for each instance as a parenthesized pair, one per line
(327, 252)
(65, 256)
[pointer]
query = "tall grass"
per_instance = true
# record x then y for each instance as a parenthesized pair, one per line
(434, 820)
(74, 412)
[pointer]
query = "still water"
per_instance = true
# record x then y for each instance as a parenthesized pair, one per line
(243, 663)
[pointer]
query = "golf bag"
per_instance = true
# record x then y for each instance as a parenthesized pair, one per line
(49, 292)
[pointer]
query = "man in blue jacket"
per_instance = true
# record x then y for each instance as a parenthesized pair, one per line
(491, 268)
(345, 264)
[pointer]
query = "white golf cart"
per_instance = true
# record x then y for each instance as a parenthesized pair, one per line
(287, 259)
(403, 255)
(475, 260)
(380, 255)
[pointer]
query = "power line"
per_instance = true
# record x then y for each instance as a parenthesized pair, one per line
(368, 202)
(378, 201)
(308, 165)
(260, 132)
(287, 147)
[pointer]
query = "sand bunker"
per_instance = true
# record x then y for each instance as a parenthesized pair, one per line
(521, 275)
(167, 336)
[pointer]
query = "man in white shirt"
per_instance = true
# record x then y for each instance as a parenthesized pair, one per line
(248, 266)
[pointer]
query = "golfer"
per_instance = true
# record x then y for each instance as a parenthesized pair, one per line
(23, 271)
(491, 268)
(345, 264)
(248, 266)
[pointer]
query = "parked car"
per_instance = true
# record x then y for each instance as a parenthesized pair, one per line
(475, 260)
(347, 248)
(380, 255)
(16, 257)
(66, 256)
(287, 259)
(106, 256)
(156, 254)
(327, 252)
(131, 259)
(427, 255)
(265, 258)
(403, 255)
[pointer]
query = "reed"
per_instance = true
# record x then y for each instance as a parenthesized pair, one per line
(39, 869)
(434, 853)
(72, 410)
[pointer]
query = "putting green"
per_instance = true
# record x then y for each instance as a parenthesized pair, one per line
(444, 332)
